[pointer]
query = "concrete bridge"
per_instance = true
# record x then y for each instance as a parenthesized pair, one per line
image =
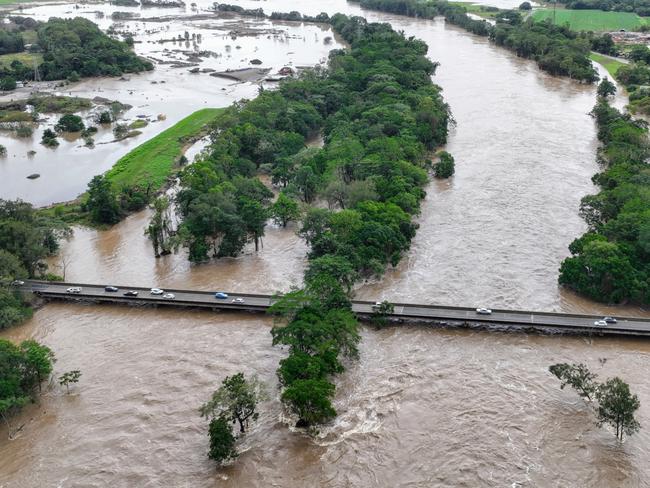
(403, 312)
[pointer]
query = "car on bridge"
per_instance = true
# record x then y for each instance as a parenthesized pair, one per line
(130, 293)
(17, 283)
(609, 320)
(74, 289)
(221, 295)
(237, 300)
(169, 296)
(600, 323)
(111, 288)
(483, 311)
(157, 291)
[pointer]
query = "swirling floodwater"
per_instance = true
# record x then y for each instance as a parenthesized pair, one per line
(422, 407)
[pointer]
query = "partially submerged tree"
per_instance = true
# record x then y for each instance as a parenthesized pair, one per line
(69, 377)
(576, 376)
(616, 407)
(614, 403)
(222, 442)
(160, 227)
(236, 400)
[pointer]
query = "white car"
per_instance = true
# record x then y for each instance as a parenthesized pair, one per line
(74, 289)
(237, 300)
(376, 305)
(600, 323)
(483, 311)
(169, 296)
(157, 291)
(17, 283)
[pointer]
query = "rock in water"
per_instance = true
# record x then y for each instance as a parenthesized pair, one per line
(33, 176)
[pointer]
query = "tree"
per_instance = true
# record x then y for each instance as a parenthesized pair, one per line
(120, 131)
(310, 400)
(222, 442)
(616, 407)
(102, 202)
(285, 209)
(381, 312)
(235, 400)
(69, 377)
(69, 123)
(7, 83)
(576, 376)
(22, 368)
(49, 138)
(160, 227)
(38, 361)
(105, 117)
(445, 167)
(606, 88)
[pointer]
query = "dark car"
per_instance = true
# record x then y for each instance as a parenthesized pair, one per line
(130, 293)
(609, 320)
(110, 288)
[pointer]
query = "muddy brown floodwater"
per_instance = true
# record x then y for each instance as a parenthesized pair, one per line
(422, 407)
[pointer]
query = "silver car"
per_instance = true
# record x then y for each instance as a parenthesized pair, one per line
(600, 323)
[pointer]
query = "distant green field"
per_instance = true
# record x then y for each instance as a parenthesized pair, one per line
(153, 161)
(591, 20)
(611, 65)
(24, 57)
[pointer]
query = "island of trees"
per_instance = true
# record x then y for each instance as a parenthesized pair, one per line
(64, 49)
(380, 116)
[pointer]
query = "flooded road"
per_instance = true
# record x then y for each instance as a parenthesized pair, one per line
(422, 407)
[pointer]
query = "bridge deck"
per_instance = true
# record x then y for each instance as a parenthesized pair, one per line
(546, 321)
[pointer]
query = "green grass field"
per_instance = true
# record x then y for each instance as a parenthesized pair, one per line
(591, 20)
(153, 161)
(611, 65)
(24, 57)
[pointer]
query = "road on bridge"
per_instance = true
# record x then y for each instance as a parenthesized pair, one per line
(405, 312)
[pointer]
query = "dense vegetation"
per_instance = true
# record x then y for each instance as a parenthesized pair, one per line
(556, 49)
(635, 76)
(69, 49)
(611, 262)
(22, 370)
(612, 400)
(25, 239)
(380, 115)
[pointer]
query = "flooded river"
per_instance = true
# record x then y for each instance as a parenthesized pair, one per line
(170, 90)
(422, 407)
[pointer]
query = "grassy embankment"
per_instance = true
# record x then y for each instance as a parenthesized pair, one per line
(611, 65)
(151, 163)
(591, 20)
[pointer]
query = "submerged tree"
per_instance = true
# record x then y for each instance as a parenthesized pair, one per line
(160, 227)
